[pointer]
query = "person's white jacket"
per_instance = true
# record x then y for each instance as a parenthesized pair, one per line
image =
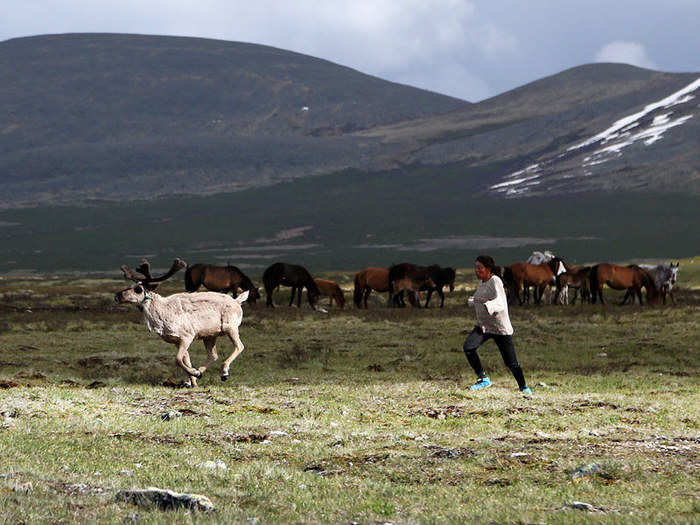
(491, 306)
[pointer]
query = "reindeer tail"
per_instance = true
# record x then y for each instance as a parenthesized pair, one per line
(242, 297)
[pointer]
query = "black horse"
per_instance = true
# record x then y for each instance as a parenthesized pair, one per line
(219, 279)
(292, 275)
(441, 277)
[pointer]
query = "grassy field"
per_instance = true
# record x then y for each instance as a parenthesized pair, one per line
(354, 416)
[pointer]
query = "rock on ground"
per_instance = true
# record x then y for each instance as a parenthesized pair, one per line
(165, 499)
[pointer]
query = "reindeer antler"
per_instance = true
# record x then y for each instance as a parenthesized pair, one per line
(145, 269)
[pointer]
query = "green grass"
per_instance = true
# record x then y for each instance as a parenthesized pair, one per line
(360, 416)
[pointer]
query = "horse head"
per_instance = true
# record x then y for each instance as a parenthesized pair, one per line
(557, 266)
(674, 272)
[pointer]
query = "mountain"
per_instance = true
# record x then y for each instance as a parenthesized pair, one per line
(546, 128)
(117, 147)
(124, 116)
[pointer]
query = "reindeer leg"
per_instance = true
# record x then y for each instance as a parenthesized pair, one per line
(192, 381)
(182, 353)
(238, 347)
(212, 356)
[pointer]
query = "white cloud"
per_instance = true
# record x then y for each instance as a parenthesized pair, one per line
(626, 52)
(435, 44)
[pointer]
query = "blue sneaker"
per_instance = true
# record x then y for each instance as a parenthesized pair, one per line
(482, 382)
(527, 391)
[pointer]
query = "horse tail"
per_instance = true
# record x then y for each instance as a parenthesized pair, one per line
(650, 285)
(508, 281)
(359, 289)
(595, 283)
(270, 283)
(339, 296)
(190, 285)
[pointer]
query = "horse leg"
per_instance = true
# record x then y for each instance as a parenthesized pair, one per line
(427, 300)
(598, 292)
(291, 299)
(299, 290)
(368, 291)
(442, 297)
(537, 293)
(416, 298)
(268, 292)
(639, 294)
(626, 297)
(517, 288)
(402, 303)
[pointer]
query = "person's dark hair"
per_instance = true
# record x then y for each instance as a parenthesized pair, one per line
(488, 262)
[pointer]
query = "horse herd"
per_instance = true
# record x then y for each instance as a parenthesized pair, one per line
(542, 271)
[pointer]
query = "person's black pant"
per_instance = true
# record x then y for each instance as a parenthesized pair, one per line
(506, 347)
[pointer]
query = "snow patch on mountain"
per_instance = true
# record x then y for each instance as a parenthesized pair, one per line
(679, 97)
(641, 126)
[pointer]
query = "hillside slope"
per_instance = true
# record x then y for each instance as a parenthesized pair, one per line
(124, 117)
(100, 115)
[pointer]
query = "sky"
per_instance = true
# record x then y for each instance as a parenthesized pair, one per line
(472, 50)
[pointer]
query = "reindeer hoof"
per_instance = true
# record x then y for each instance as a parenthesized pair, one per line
(224, 377)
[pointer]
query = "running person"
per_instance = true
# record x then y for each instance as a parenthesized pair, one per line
(491, 305)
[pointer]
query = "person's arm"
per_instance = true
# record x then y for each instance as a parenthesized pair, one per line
(500, 302)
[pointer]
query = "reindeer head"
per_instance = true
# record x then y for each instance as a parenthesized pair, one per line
(138, 293)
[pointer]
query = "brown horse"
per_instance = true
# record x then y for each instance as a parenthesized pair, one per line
(219, 279)
(412, 286)
(520, 275)
(369, 279)
(631, 278)
(412, 278)
(578, 278)
(331, 289)
(292, 275)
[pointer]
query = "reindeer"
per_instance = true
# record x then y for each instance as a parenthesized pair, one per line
(183, 317)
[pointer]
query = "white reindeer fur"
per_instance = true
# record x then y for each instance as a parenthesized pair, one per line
(183, 317)
(192, 315)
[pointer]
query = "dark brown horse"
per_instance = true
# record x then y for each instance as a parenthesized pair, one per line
(441, 277)
(578, 278)
(219, 279)
(369, 279)
(631, 278)
(412, 278)
(292, 275)
(331, 289)
(520, 275)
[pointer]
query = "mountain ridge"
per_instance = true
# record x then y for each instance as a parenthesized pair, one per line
(119, 117)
